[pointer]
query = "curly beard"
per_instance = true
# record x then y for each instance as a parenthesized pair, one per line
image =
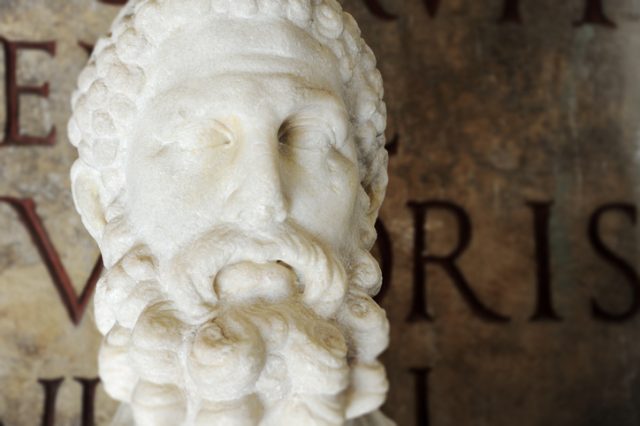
(266, 328)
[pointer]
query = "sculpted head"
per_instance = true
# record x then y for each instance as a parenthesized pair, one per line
(231, 169)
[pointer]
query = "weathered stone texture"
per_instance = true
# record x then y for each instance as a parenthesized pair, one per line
(491, 116)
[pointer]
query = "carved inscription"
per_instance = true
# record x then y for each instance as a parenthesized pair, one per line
(13, 135)
(448, 262)
(544, 301)
(75, 305)
(51, 387)
(594, 13)
(376, 8)
(432, 7)
(89, 387)
(421, 377)
(541, 212)
(615, 260)
(511, 12)
(88, 47)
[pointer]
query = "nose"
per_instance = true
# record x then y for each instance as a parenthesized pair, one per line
(259, 197)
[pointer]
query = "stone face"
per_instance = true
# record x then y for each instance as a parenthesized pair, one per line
(231, 167)
(489, 117)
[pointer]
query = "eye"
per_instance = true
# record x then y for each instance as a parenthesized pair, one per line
(305, 134)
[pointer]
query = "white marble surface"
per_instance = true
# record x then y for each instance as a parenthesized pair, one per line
(231, 169)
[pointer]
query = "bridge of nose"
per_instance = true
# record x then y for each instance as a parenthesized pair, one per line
(258, 167)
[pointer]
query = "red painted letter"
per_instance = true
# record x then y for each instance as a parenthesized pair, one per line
(89, 387)
(51, 388)
(12, 130)
(88, 47)
(75, 305)
(50, 395)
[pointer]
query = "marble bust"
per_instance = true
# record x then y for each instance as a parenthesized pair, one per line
(231, 167)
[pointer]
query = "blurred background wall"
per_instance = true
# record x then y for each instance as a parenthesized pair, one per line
(508, 238)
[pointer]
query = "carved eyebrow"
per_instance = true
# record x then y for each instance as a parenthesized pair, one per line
(329, 103)
(321, 97)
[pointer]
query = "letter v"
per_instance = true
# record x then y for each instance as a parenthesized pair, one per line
(76, 306)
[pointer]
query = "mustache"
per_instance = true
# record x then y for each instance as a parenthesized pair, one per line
(189, 277)
(139, 278)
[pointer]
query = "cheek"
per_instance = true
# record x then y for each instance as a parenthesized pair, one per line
(322, 197)
(171, 192)
(185, 174)
(343, 175)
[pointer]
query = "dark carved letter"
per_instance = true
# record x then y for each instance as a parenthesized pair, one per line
(379, 11)
(87, 47)
(50, 394)
(88, 399)
(75, 305)
(419, 308)
(13, 91)
(594, 14)
(422, 395)
(544, 306)
(511, 12)
(51, 388)
(432, 7)
(604, 252)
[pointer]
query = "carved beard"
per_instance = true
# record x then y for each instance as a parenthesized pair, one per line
(241, 329)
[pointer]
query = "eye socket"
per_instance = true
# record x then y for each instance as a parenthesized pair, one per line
(216, 135)
(305, 134)
(195, 136)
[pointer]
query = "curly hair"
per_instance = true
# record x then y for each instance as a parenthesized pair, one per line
(109, 91)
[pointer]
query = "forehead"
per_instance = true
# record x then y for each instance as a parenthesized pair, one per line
(269, 95)
(259, 48)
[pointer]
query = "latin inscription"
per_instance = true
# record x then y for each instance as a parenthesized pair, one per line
(594, 12)
(448, 262)
(616, 261)
(74, 304)
(419, 311)
(51, 387)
